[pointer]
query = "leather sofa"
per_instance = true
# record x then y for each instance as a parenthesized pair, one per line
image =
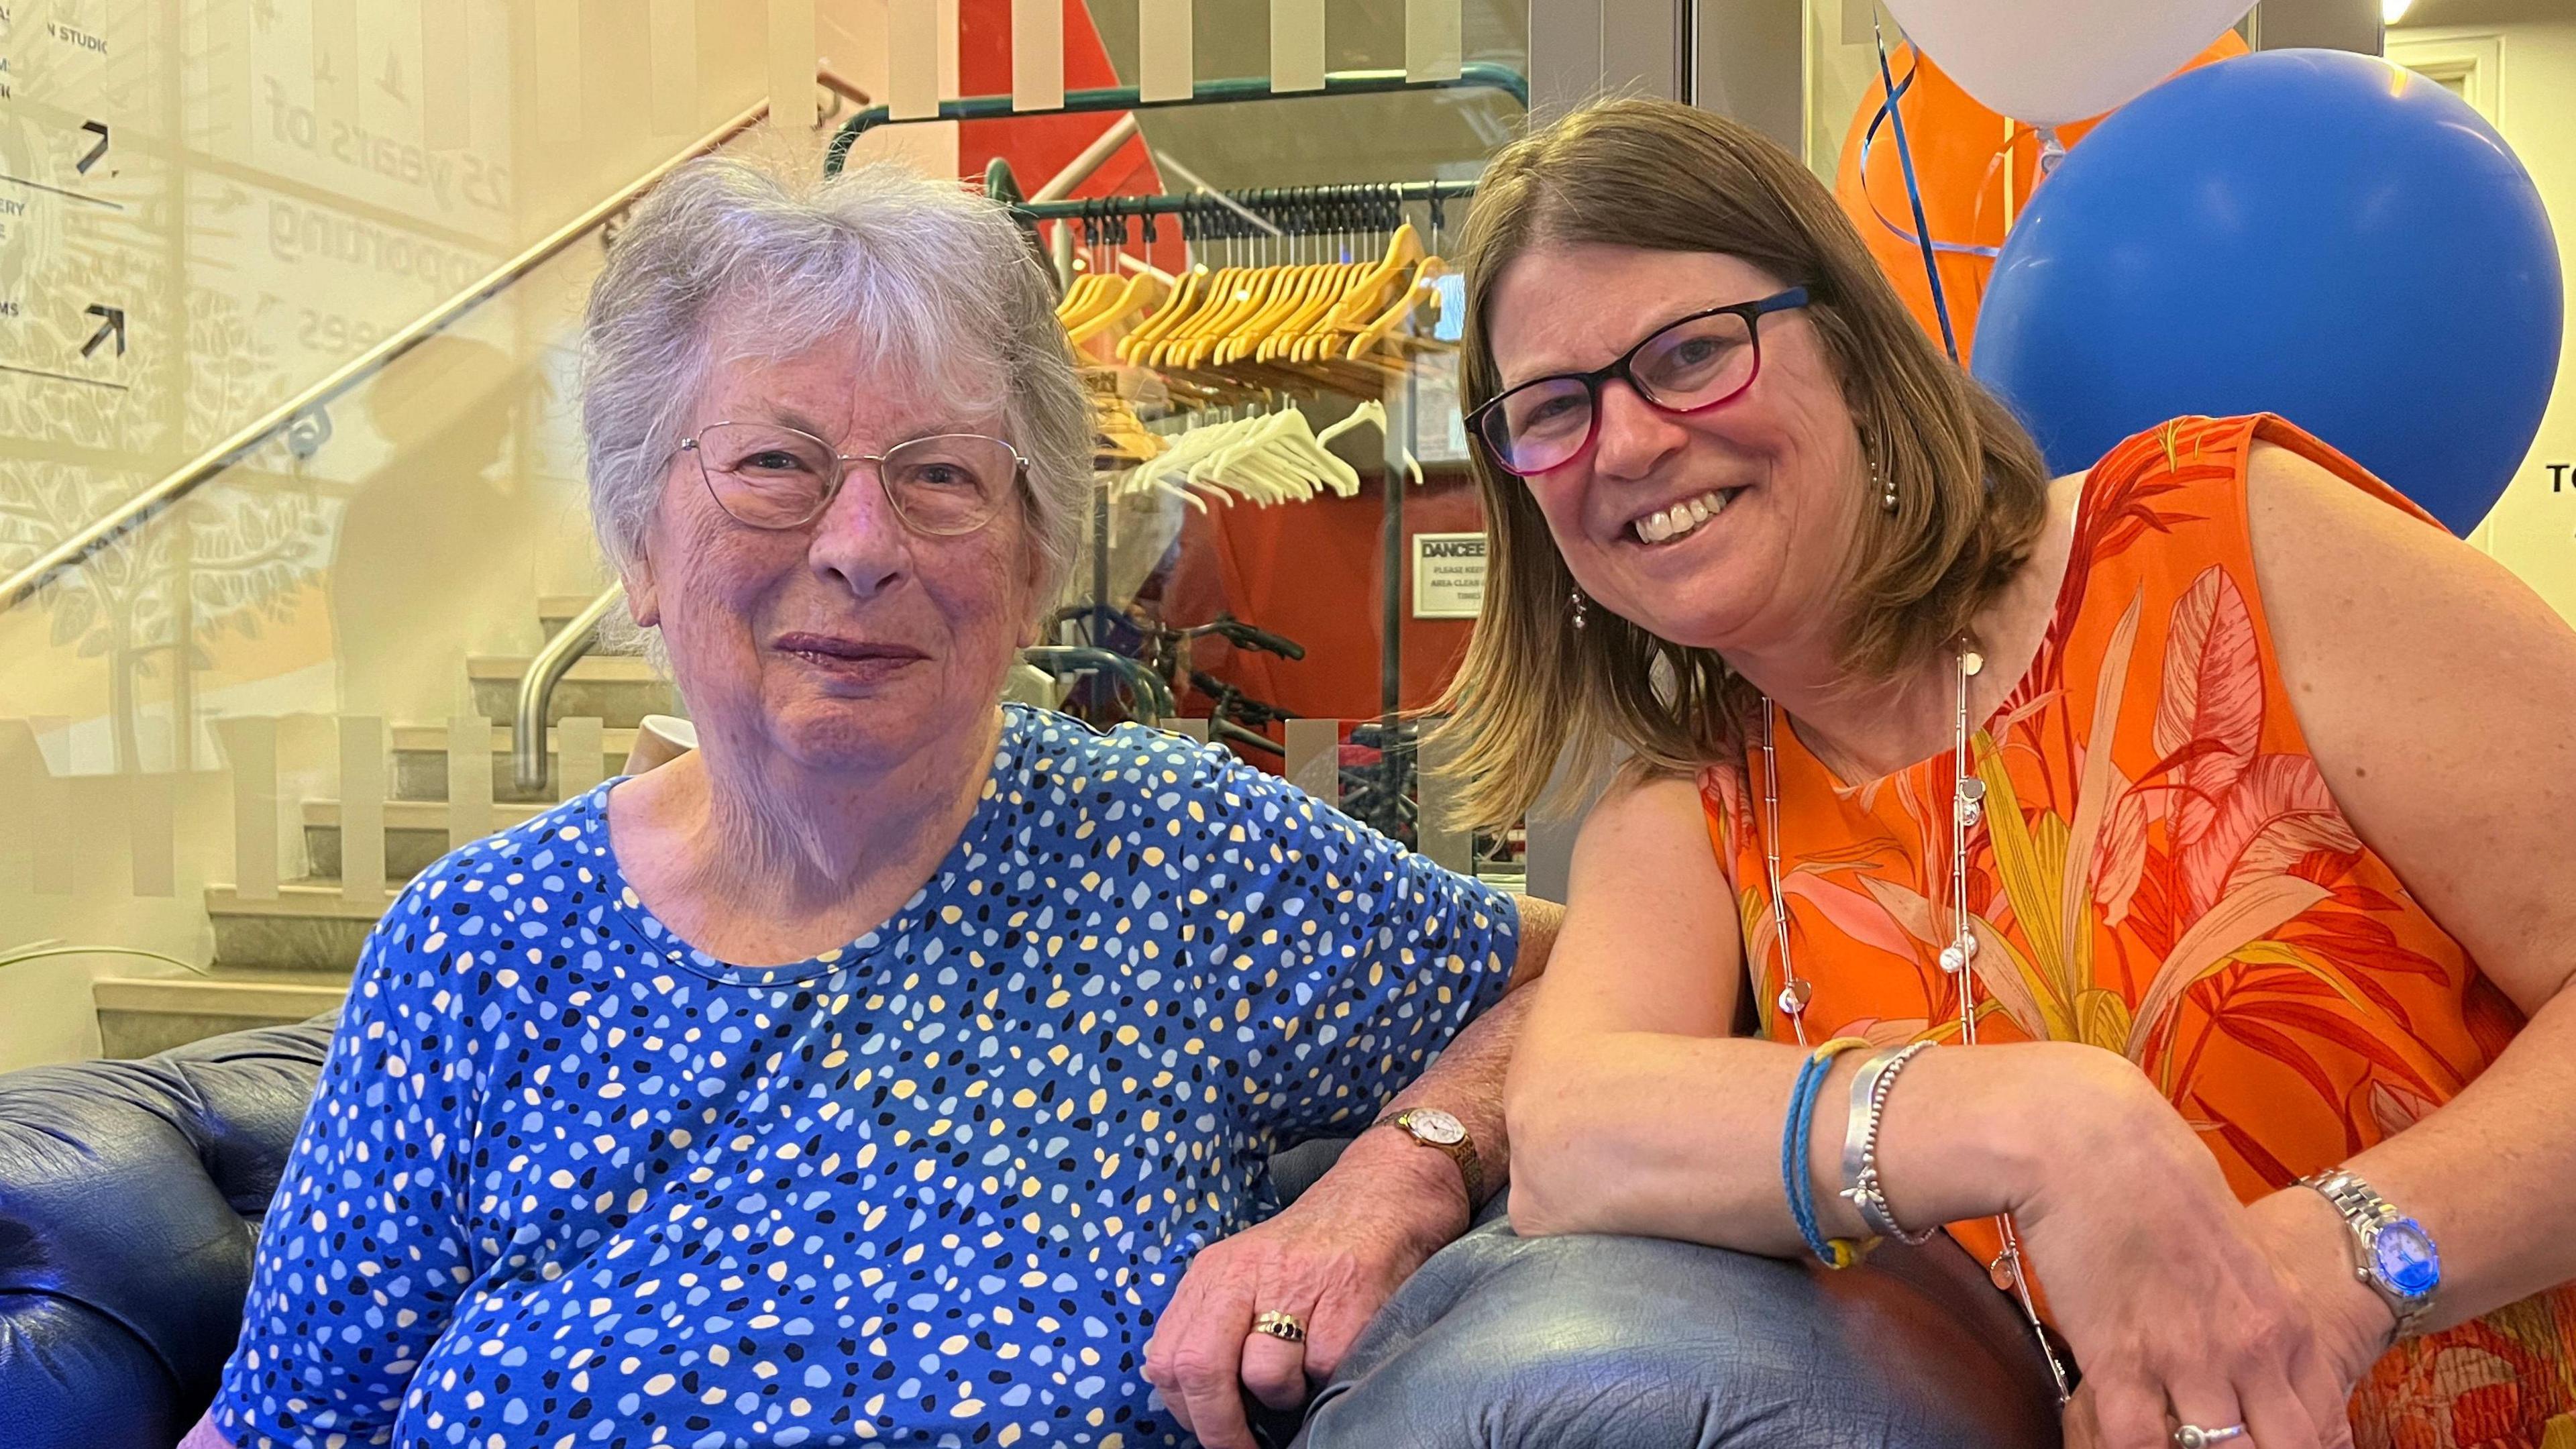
(131, 1193)
(130, 1196)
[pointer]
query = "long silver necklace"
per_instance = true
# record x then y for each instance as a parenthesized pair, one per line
(1967, 811)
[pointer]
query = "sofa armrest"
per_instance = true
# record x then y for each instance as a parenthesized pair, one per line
(1502, 1342)
(129, 1195)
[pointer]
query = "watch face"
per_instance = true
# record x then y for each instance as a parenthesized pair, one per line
(1434, 1126)
(2402, 1256)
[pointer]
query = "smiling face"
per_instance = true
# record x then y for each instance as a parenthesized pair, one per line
(851, 643)
(1725, 529)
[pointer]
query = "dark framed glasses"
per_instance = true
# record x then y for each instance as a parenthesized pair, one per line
(1686, 366)
(767, 476)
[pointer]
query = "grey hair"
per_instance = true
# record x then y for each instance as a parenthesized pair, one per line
(938, 285)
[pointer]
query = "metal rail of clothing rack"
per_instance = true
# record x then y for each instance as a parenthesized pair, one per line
(1233, 204)
(1475, 75)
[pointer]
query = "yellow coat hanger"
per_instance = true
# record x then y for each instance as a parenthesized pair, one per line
(1215, 291)
(1324, 289)
(1138, 346)
(1250, 291)
(1136, 298)
(1279, 299)
(1077, 297)
(1367, 297)
(1417, 292)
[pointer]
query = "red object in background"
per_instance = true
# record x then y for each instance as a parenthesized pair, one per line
(1310, 571)
(1307, 570)
(1039, 146)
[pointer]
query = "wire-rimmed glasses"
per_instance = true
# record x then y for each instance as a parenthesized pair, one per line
(1686, 366)
(765, 475)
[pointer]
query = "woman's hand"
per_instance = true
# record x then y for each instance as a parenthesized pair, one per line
(2177, 1299)
(1332, 1258)
(2312, 1246)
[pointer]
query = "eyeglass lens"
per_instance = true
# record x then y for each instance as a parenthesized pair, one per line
(774, 477)
(1696, 363)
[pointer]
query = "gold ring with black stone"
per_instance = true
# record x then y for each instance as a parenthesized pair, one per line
(1280, 1325)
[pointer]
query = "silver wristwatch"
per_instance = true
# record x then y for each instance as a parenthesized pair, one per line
(2392, 1255)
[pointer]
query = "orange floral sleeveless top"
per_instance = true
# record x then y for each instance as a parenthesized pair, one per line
(2163, 874)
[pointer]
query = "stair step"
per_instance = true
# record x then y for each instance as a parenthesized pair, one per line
(617, 689)
(415, 833)
(308, 928)
(138, 1016)
(420, 762)
(556, 610)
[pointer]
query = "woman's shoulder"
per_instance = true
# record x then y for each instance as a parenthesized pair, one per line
(2194, 493)
(1124, 767)
(446, 950)
(1159, 789)
(2165, 504)
(558, 852)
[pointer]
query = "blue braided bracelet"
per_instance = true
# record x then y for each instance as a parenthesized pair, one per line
(1832, 1252)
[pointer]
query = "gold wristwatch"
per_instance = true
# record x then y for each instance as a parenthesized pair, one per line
(1434, 1128)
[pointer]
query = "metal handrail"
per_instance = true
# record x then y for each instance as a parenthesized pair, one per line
(580, 634)
(1063, 659)
(152, 501)
(1475, 75)
(537, 687)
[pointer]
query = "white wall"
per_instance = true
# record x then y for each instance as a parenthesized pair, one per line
(2530, 96)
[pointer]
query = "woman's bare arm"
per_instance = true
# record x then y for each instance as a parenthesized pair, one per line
(2436, 692)
(1634, 1111)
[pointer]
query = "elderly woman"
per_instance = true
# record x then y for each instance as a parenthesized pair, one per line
(875, 1071)
(2212, 795)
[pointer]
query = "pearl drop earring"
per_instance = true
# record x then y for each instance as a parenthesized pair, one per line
(1581, 606)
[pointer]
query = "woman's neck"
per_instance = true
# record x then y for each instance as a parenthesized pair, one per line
(1875, 728)
(1860, 730)
(759, 861)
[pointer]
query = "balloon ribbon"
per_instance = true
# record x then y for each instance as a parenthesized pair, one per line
(1913, 189)
(1869, 140)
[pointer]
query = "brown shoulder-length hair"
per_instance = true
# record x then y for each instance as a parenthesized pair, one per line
(1972, 488)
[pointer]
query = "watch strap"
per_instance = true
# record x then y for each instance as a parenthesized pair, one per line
(2365, 1212)
(1462, 1152)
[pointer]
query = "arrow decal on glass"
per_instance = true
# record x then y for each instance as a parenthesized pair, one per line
(111, 320)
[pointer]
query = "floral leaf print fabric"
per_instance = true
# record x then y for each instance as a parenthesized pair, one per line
(567, 1181)
(2166, 875)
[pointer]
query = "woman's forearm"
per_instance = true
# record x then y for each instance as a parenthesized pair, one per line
(1679, 1137)
(2488, 1174)
(205, 1435)
(1467, 1083)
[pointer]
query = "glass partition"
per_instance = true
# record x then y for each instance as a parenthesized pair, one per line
(229, 735)
(207, 209)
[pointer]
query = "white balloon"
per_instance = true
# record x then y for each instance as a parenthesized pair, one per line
(2048, 62)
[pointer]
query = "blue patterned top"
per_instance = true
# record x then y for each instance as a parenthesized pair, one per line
(567, 1181)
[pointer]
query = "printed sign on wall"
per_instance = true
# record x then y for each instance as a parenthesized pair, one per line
(1448, 575)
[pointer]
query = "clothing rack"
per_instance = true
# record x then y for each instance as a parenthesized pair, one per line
(1291, 211)
(1302, 210)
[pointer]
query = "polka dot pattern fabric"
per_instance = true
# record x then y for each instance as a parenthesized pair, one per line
(567, 1181)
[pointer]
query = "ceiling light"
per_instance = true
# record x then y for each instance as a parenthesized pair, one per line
(2392, 11)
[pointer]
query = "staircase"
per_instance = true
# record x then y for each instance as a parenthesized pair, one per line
(287, 959)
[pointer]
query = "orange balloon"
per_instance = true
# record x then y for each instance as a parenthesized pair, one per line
(1975, 170)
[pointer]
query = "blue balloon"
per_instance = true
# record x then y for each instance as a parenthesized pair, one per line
(2312, 233)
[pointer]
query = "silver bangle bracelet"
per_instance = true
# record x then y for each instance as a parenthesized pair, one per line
(1861, 1186)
